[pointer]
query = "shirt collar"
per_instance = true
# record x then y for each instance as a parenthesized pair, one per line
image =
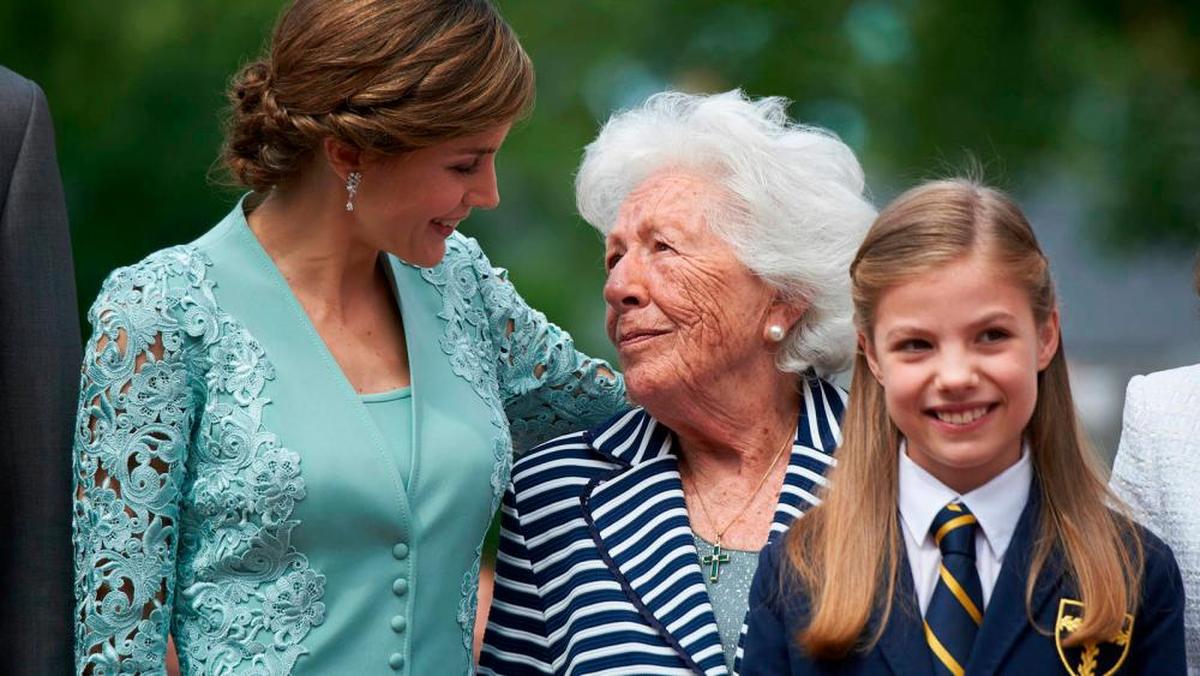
(997, 505)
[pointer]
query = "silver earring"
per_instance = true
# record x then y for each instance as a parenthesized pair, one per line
(776, 333)
(352, 182)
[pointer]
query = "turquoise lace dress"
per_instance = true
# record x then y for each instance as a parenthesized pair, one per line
(233, 490)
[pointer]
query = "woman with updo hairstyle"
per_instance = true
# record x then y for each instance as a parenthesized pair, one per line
(294, 431)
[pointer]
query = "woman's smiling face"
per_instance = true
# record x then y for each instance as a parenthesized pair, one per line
(958, 350)
(408, 205)
(682, 308)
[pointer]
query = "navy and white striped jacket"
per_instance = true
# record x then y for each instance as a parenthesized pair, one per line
(597, 570)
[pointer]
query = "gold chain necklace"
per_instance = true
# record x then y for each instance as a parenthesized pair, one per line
(716, 557)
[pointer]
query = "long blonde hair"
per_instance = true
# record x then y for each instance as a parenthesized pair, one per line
(846, 553)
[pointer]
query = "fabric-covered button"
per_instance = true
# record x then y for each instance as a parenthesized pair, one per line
(396, 661)
(400, 586)
(400, 551)
(399, 622)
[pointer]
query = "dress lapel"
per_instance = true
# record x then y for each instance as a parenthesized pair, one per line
(465, 423)
(312, 389)
(1005, 618)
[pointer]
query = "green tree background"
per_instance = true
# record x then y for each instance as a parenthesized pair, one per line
(1102, 92)
(1100, 98)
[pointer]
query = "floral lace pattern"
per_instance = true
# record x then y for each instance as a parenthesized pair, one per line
(538, 385)
(184, 501)
(175, 475)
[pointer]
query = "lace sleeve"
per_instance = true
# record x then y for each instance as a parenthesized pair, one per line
(549, 388)
(136, 408)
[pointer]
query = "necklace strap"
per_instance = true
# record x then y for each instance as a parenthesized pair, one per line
(749, 501)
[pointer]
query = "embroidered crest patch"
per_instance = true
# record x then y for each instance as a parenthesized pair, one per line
(1090, 659)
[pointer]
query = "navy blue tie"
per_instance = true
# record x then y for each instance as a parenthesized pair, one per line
(956, 608)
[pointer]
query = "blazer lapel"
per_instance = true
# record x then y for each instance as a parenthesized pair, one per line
(638, 519)
(1005, 618)
(903, 643)
(818, 434)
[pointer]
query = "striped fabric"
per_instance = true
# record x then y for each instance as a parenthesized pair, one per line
(954, 614)
(597, 571)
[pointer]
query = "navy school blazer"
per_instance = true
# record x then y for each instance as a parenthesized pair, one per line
(597, 570)
(1006, 643)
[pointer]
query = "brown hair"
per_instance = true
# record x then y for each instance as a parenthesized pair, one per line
(382, 75)
(846, 553)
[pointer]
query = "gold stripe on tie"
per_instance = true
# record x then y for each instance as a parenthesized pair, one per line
(954, 507)
(960, 594)
(951, 525)
(942, 654)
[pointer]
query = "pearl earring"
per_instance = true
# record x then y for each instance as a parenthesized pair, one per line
(352, 182)
(776, 333)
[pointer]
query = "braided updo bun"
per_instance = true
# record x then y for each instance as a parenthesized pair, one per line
(381, 75)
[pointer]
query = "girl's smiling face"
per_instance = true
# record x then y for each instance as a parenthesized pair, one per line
(957, 350)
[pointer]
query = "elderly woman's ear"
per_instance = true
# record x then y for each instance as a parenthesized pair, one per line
(781, 317)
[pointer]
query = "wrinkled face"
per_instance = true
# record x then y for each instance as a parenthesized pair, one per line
(682, 309)
(958, 351)
(409, 204)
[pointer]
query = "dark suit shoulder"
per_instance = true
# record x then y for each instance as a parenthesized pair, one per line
(768, 584)
(776, 584)
(18, 98)
(773, 556)
(778, 611)
(17, 91)
(1158, 645)
(1162, 584)
(1155, 548)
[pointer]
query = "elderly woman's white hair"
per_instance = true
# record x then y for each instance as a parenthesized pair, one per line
(793, 208)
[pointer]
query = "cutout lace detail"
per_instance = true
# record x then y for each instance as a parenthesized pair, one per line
(538, 385)
(183, 500)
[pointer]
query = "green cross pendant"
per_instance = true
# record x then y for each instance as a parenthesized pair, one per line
(714, 561)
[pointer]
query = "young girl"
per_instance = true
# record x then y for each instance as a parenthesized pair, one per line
(967, 529)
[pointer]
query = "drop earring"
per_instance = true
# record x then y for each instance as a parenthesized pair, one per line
(775, 333)
(352, 182)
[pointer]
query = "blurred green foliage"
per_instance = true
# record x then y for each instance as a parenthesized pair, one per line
(1101, 95)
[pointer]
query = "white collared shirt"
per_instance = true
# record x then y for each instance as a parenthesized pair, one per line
(997, 505)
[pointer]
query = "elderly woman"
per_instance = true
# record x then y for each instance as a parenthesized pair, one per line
(729, 232)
